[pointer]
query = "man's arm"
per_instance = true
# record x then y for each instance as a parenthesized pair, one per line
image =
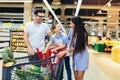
(48, 46)
(29, 47)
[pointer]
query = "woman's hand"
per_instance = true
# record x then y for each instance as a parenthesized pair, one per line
(61, 54)
(71, 50)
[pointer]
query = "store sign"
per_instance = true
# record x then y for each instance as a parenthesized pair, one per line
(16, 0)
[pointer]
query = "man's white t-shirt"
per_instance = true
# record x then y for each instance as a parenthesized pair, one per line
(37, 33)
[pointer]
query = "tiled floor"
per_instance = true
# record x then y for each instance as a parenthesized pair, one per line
(101, 67)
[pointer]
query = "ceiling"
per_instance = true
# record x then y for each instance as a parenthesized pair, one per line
(90, 2)
(99, 2)
(89, 8)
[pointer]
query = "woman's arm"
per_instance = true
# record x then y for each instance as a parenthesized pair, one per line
(62, 53)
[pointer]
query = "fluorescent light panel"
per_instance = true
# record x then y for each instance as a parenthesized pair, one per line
(78, 7)
(50, 9)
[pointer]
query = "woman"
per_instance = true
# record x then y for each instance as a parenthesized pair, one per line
(78, 47)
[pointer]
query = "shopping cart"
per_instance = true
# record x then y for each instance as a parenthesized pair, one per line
(22, 71)
(56, 62)
(48, 54)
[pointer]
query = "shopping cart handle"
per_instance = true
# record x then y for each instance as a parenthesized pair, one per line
(55, 52)
(48, 53)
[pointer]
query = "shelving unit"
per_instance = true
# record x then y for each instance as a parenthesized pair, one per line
(17, 40)
(4, 39)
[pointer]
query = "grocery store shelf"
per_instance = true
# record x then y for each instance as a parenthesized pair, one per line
(10, 20)
(5, 44)
(20, 14)
(3, 33)
(4, 38)
(20, 51)
(1, 50)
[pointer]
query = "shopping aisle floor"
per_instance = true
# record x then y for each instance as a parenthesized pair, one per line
(104, 62)
(101, 67)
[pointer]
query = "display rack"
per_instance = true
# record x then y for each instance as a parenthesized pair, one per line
(4, 39)
(17, 40)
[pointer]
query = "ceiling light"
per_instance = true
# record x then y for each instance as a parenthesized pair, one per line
(78, 7)
(109, 4)
(104, 27)
(93, 14)
(86, 24)
(48, 6)
(116, 26)
(109, 16)
(99, 12)
(56, 2)
(75, 2)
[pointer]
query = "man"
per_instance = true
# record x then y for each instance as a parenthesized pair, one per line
(34, 34)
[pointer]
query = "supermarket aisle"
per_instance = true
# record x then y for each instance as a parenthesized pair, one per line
(101, 67)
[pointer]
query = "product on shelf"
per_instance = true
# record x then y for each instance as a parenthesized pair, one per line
(17, 40)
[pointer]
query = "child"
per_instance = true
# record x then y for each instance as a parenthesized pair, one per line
(59, 41)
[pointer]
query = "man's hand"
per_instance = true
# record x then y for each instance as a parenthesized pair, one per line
(45, 51)
(30, 51)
